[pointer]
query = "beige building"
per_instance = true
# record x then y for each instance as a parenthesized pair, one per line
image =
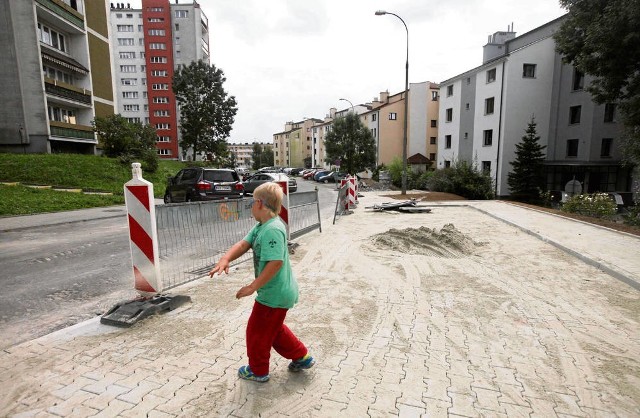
(57, 74)
(384, 117)
(243, 153)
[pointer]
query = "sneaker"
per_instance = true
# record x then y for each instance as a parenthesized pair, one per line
(305, 362)
(245, 373)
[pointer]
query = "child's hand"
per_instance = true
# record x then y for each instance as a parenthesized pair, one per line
(222, 266)
(245, 291)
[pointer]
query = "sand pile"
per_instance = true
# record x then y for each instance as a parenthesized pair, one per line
(446, 243)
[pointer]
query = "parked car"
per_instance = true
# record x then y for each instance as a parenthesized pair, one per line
(199, 183)
(332, 177)
(309, 173)
(261, 178)
(320, 173)
(296, 171)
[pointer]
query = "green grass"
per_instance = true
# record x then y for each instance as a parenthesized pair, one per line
(87, 172)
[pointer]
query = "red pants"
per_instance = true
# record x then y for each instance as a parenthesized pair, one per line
(266, 329)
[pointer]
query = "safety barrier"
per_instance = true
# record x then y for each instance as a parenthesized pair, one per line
(193, 236)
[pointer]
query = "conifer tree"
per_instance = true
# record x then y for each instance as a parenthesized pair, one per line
(526, 181)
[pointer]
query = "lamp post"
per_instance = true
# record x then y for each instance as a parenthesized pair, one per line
(346, 100)
(406, 104)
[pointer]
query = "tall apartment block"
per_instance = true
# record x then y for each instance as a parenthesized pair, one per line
(484, 113)
(56, 74)
(148, 45)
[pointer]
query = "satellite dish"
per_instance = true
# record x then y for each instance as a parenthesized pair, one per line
(573, 187)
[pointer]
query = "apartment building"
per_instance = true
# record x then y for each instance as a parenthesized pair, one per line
(485, 111)
(148, 45)
(293, 146)
(57, 74)
(243, 153)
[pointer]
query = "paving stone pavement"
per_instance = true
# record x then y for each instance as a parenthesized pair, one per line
(519, 327)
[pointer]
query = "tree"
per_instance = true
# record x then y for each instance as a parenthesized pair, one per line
(206, 111)
(601, 38)
(526, 181)
(350, 142)
(127, 141)
(262, 156)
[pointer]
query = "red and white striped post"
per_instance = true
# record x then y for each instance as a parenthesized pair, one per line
(143, 236)
(352, 192)
(284, 210)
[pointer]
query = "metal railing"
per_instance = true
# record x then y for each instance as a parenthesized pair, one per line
(193, 236)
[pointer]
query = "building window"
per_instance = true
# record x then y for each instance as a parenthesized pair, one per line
(605, 148)
(393, 116)
(125, 41)
(434, 96)
(488, 106)
(51, 38)
(447, 163)
(450, 90)
(163, 139)
(609, 112)
(133, 120)
(182, 13)
(468, 80)
(129, 94)
(433, 140)
(160, 86)
(488, 137)
(161, 113)
(491, 75)
(156, 19)
(467, 106)
(159, 73)
(124, 28)
(578, 80)
(177, 27)
(434, 123)
(572, 147)
(163, 126)
(157, 32)
(127, 68)
(127, 55)
(432, 156)
(157, 45)
(159, 60)
(528, 70)
(486, 167)
(131, 108)
(373, 119)
(466, 135)
(156, 9)
(164, 152)
(60, 114)
(160, 100)
(574, 114)
(447, 141)
(449, 115)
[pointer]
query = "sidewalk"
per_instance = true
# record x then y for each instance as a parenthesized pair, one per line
(518, 327)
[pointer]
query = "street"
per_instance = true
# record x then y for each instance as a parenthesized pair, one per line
(59, 275)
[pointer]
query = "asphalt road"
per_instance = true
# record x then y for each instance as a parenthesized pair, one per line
(56, 276)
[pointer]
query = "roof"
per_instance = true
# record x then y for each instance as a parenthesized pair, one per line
(417, 159)
(58, 58)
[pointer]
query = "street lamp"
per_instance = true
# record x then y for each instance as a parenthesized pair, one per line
(406, 104)
(346, 100)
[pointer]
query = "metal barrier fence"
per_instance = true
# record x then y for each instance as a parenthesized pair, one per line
(193, 236)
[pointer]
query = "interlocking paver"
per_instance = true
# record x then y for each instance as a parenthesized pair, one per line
(393, 335)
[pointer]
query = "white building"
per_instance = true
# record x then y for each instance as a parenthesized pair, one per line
(484, 113)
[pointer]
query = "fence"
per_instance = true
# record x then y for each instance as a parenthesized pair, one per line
(193, 236)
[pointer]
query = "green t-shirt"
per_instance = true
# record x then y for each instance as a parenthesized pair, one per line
(269, 242)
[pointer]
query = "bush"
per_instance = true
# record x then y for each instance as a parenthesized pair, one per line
(632, 217)
(462, 179)
(597, 205)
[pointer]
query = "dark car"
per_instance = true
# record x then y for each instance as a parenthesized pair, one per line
(198, 183)
(332, 177)
(260, 178)
(320, 173)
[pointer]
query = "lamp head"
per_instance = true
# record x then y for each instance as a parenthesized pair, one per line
(380, 13)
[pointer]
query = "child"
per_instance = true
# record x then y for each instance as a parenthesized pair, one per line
(276, 286)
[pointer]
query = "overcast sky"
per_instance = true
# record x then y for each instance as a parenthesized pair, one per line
(286, 60)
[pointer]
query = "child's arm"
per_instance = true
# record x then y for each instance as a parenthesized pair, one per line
(270, 270)
(237, 250)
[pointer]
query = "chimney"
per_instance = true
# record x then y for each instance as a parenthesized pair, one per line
(384, 96)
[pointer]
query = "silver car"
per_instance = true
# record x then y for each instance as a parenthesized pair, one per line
(257, 179)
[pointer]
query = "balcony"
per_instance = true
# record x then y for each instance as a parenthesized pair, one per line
(64, 11)
(69, 130)
(67, 91)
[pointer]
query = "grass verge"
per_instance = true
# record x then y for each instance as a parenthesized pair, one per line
(86, 172)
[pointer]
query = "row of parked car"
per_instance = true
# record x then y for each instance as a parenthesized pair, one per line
(323, 176)
(200, 183)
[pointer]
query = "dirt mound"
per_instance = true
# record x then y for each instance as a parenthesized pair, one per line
(446, 243)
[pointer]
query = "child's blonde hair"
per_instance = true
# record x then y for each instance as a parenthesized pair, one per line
(271, 195)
